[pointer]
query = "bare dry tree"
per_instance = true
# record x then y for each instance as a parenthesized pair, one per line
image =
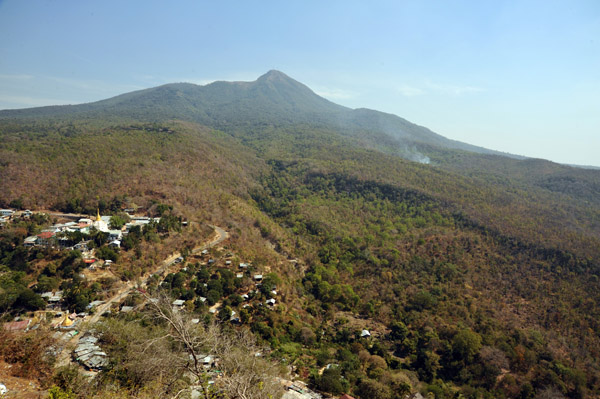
(244, 373)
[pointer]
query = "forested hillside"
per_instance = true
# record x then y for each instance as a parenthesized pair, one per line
(477, 274)
(273, 100)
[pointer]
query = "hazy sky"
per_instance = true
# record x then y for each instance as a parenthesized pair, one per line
(515, 76)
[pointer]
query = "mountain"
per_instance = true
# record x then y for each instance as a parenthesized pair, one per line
(278, 118)
(274, 99)
(478, 274)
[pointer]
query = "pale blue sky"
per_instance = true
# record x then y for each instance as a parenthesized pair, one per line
(515, 76)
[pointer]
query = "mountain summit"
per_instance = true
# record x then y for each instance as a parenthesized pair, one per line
(293, 93)
(275, 76)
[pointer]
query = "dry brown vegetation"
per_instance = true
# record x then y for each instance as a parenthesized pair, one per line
(28, 354)
(479, 281)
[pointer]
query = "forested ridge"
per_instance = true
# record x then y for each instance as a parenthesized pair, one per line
(476, 274)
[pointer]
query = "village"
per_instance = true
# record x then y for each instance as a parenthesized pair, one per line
(209, 282)
(70, 236)
(57, 234)
(248, 289)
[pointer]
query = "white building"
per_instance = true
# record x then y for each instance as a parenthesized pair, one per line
(101, 224)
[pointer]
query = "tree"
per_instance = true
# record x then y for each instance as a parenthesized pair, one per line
(243, 376)
(399, 383)
(332, 381)
(377, 362)
(466, 344)
(57, 393)
(307, 336)
(270, 281)
(107, 253)
(224, 314)
(169, 222)
(371, 389)
(549, 393)
(117, 221)
(399, 331)
(162, 208)
(128, 242)
(213, 297)
(46, 283)
(493, 361)
(244, 316)
(236, 299)
(16, 203)
(77, 297)
(16, 296)
(29, 300)
(427, 364)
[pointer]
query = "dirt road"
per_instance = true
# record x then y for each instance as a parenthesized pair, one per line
(220, 236)
(64, 357)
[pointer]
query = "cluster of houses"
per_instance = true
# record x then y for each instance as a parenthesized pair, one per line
(257, 278)
(7, 214)
(54, 301)
(244, 269)
(63, 322)
(55, 235)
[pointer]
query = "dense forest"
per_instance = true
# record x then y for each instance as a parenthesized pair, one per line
(476, 275)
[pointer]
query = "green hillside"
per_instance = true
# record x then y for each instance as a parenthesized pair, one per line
(274, 99)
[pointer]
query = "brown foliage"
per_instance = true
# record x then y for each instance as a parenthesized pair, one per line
(28, 353)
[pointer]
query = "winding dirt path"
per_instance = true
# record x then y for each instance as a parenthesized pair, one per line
(64, 357)
(220, 236)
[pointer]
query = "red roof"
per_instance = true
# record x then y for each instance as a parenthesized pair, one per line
(346, 396)
(46, 234)
(17, 325)
(89, 260)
